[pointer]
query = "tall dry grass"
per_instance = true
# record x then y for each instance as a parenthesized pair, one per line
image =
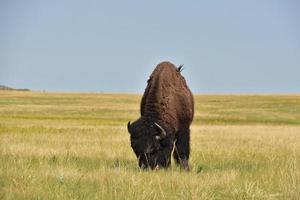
(76, 146)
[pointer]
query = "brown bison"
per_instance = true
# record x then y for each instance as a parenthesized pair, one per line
(167, 110)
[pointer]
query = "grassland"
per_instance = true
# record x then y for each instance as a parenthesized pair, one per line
(76, 146)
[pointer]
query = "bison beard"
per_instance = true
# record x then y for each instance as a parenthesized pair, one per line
(167, 110)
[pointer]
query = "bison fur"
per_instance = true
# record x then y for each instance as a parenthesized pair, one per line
(167, 110)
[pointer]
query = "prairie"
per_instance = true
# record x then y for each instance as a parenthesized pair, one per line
(76, 146)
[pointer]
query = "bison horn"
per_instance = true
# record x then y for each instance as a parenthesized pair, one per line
(128, 126)
(163, 132)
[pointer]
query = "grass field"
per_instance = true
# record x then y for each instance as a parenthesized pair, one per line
(76, 146)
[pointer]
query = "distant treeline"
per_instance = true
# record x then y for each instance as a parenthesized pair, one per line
(2, 87)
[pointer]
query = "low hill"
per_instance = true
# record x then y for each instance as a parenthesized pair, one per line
(2, 87)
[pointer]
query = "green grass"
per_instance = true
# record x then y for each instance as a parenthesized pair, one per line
(76, 146)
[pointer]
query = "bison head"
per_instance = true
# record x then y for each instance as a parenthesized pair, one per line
(151, 143)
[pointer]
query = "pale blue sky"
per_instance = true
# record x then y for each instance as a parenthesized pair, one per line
(112, 46)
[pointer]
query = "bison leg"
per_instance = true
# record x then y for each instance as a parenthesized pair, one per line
(182, 148)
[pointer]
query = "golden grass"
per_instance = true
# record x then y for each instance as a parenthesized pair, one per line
(76, 146)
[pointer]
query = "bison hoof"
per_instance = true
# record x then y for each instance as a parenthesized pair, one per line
(185, 165)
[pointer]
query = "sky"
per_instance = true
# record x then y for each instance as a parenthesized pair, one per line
(227, 46)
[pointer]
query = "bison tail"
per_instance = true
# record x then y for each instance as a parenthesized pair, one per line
(180, 68)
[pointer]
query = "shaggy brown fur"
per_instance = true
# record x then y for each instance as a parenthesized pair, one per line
(167, 98)
(168, 102)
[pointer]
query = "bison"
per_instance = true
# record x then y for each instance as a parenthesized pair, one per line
(167, 110)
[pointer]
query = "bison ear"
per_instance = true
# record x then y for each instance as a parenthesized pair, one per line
(128, 127)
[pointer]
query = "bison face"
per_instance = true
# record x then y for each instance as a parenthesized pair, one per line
(151, 144)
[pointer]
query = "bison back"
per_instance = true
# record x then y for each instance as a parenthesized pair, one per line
(167, 97)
